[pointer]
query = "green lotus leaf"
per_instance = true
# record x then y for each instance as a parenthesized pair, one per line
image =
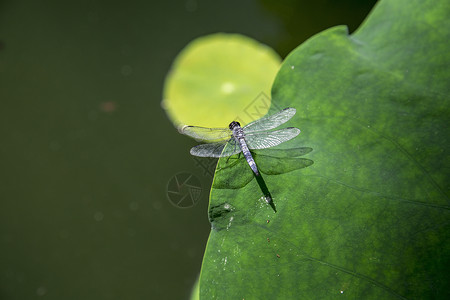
(220, 78)
(369, 219)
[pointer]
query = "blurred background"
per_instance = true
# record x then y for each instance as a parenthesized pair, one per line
(87, 155)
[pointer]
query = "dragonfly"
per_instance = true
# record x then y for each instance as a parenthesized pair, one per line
(225, 142)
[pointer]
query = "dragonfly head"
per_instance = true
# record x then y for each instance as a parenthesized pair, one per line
(234, 124)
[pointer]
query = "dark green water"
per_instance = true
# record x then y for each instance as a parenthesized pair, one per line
(87, 151)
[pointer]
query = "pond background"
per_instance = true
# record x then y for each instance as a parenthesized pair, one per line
(87, 152)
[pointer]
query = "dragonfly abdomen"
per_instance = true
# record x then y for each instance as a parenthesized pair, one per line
(238, 134)
(248, 156)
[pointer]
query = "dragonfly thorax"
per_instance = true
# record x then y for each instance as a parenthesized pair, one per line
(234, 124)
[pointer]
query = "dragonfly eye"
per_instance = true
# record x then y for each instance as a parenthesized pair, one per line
(234, 124)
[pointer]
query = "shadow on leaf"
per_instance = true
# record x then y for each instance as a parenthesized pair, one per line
(234, 172)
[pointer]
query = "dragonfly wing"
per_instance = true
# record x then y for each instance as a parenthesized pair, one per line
(262, 140)
(231, 148)
(270, 122)
(207, 134)
(216, 149)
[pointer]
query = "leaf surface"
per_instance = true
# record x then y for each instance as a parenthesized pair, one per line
(369, 219)
(220, 78)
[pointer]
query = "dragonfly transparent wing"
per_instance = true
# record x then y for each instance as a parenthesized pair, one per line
(207, 134)
(262, 140)
(216, 149)
(270, 122)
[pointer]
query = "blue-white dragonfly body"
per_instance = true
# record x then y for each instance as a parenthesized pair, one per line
(223, 142)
